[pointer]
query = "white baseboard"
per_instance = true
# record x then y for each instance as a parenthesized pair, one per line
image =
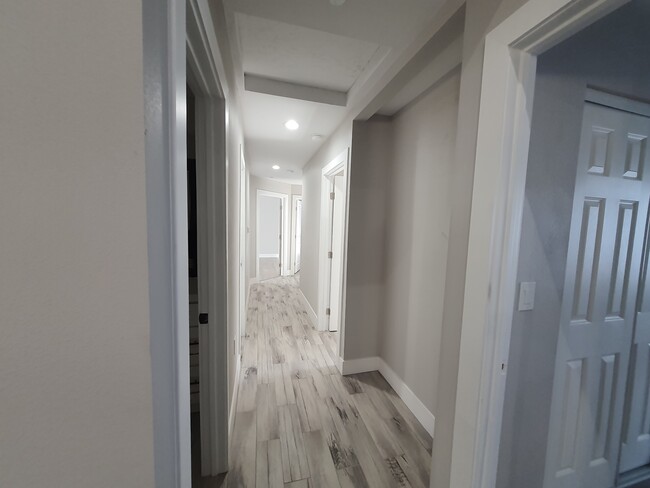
(415, 405)
(233, 402)
(277, 256)
(363, 365)
(310, 310)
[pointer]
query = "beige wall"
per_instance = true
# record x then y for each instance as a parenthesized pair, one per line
(339, 141)
(75, 374)
(424, 137)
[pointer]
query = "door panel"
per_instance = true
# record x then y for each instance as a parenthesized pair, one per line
(599, 302)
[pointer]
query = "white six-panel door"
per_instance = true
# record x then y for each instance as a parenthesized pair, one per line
(599, 301)
(635, 450)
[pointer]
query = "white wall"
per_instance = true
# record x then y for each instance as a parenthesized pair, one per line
(75, 374)
(269, 225)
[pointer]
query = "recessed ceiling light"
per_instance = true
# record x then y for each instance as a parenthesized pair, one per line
(275, 166)
(292, 124)
(317, 137)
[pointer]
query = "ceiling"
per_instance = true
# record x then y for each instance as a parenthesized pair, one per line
(316, 63)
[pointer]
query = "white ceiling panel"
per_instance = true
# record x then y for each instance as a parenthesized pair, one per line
(301, 55)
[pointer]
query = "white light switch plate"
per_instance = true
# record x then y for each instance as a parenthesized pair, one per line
(526, 296)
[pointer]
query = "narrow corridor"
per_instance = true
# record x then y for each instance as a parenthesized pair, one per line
(299, 423)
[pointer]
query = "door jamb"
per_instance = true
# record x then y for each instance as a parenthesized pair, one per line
(284, 252)
(294, 228)
(341, 162)
(510, 56)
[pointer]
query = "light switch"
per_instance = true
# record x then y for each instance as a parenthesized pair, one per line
(526, 296)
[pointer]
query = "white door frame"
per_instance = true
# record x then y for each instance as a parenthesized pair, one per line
(243, 233)
(205, 82)
(294, 229)
(509, 70)
(286, 226)
(166, 40)
(341, 162)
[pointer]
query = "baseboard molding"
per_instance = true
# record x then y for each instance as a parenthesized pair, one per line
(375, 363)
(363, 365)
(233, 401)
(310, 311)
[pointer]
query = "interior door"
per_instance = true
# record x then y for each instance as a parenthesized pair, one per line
(336, 260)
(599, 300)
(635, 449)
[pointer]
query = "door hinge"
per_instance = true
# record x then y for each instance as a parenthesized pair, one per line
(328, 311)
(330, 254)
(332, 194)
(203, 318)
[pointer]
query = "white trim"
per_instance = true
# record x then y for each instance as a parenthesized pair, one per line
(361, 365)
(310, 311)
(294, 227)
(415, 405)
(505, 115)
(235, 396)
(285, 231)
(269, 255)
(243, 246)
(164, 64)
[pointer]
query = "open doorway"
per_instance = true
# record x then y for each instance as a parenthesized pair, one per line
(271, 242)
(576, 401)
(207, 267)
(333, 240)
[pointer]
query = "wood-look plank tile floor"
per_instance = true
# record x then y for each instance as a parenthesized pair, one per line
(300, 424)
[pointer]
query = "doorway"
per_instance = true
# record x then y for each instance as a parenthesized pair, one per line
(271, 245)
(575, 316)
(333, 245)
(296, 234)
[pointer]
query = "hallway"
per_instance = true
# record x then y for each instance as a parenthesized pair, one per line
(299, 423)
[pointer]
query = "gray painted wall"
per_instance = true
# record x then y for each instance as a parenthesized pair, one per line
(370, 157)
(398, 231)
(75, 364)
(424, 138)
(612, 54)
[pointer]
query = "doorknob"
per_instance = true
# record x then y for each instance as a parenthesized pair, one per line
(203, 318)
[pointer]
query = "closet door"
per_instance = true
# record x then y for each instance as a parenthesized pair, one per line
(599, 302)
